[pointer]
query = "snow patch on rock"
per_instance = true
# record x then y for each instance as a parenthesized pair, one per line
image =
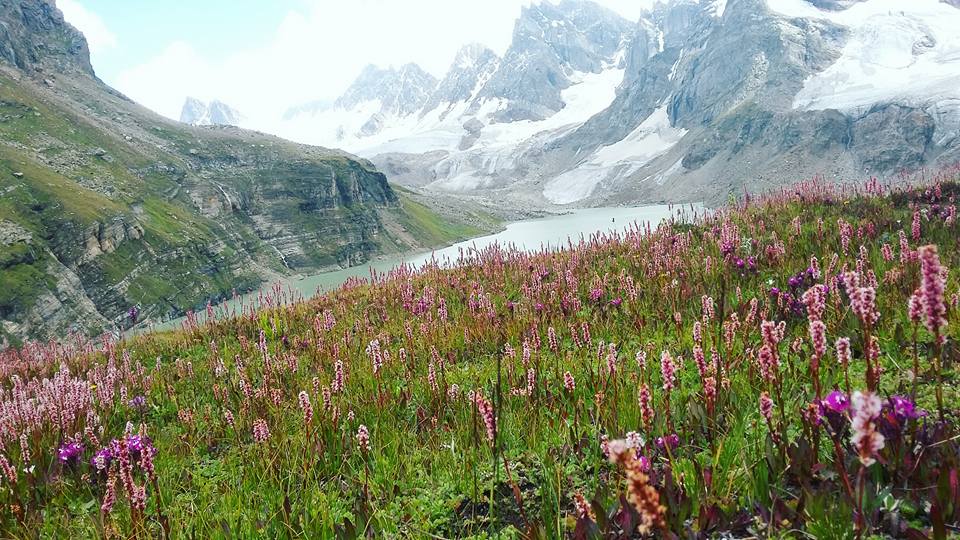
(906, 52)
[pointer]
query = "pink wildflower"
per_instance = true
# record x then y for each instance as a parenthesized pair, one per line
(707, 308)
(306, 407)
(843, 351)
(932, 285)
(646, 409)
(8, 470)
(485, 408)
(582, 507)
(887, 251)
(815, 299)
(641, 360)
(865, 409)
(110, 496)
(612, 358)
(915, 306)
(260, 431)
(338, 379)
(668, 371)
(863, 300)
(766, 407)
(818, 336)
(699, 359)
(710, 389)
(363, 438)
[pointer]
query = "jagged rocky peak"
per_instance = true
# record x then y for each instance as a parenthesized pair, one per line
(582, 35)
(400, 92)
(552, 42)
(678, 23)
(473, 65)
(215, 113)
(34, 36)
(719, 70)
(471, 55)
(647, 42)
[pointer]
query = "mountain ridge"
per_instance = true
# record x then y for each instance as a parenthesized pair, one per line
(214, 113)
(698, 112)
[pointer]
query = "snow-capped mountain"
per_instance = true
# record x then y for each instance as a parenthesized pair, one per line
(696, 100)
(377, 99)
(563, 65)
(553, 47)
(469, 73)
(770, 91)
(214, 113)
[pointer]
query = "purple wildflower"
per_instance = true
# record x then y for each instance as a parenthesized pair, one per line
(69, 453)
(836, 401)
(903, 408)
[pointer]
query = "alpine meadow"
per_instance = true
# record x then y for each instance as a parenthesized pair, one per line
(623, 269)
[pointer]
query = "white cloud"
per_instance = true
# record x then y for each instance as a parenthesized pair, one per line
(315, 53)
(164, 81)
(99, 37)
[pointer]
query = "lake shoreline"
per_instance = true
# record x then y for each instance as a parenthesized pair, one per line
(550, 232)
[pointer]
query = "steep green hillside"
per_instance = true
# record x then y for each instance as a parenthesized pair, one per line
(106, 205)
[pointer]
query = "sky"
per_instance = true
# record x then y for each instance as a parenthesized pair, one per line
(264, 56)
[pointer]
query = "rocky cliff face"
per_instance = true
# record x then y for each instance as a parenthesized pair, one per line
(105, 205)
(399, 92)
(740, 101)
(34, 36)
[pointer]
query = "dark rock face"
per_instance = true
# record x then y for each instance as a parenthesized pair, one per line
(734, 96)
(893, 137)
(769, 68)
(34, 35)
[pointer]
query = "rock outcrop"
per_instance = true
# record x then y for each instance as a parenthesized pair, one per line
(34, 37)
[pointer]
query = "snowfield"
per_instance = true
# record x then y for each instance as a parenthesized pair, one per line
(652, 138)
(904, 51)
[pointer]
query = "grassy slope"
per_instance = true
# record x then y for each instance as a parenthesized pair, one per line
(78, 166)
(431, 468)
(57, 207)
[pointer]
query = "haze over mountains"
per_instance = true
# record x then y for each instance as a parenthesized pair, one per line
(696, 101)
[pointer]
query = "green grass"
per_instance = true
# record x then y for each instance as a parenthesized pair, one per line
(24, 279)
(432, 470)
(184, 258)
(43, 190)
(428, 227)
